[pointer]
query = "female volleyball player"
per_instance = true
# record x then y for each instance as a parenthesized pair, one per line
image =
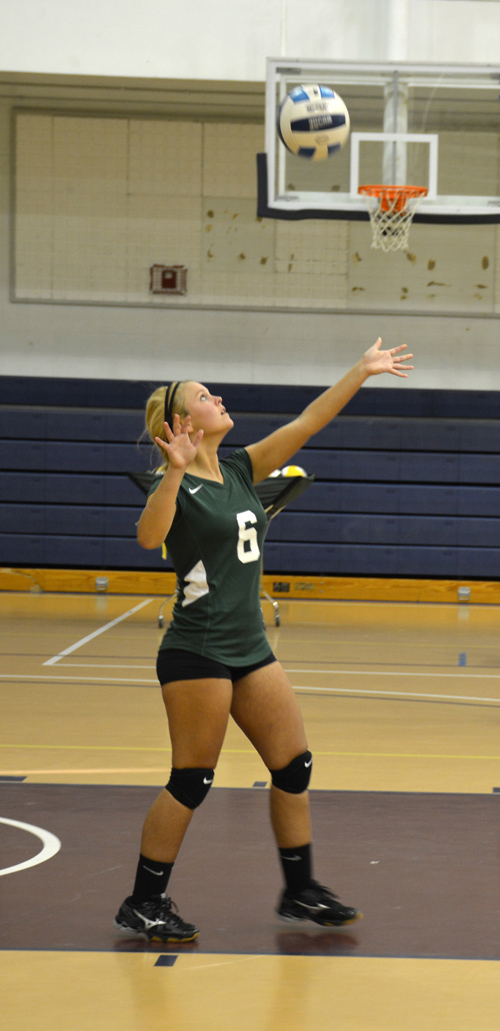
(215, 660)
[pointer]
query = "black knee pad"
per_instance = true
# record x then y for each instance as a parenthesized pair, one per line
(190, 787)
(295, 777)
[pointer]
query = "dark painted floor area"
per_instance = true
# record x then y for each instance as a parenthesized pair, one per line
(423, 869)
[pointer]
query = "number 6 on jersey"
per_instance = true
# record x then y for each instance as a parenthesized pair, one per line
(248, 545)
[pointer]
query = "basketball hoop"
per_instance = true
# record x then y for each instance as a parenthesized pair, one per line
(391, 210)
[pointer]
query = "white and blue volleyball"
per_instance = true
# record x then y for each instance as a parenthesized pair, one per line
(313, 122)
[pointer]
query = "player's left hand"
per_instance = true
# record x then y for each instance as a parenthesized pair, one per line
(376, 361)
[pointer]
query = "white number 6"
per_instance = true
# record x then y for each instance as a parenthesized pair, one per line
(248, 545)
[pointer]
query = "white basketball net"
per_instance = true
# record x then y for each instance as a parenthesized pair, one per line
(391, 218)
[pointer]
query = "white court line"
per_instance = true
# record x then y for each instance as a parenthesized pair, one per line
(90, 637)
(51, 845)
(85, 680)
(396, 673)
(296, 687)
(328, 672)
(396, 694)
(100, 665)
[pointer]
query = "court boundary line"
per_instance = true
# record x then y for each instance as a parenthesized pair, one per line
(400, 671)
(346, 956)
(96, 633)
(404, 695)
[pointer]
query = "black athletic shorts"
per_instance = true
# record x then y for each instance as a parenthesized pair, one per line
(176, 664)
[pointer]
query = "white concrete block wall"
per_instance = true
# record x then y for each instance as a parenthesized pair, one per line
(34, 204)
(230, 39)
(216, 343)
(115, 195)
(446, 268)
(229, 159)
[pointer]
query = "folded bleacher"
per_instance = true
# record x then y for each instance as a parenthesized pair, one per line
(407, 481)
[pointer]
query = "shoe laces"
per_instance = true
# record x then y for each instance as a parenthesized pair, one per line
(169, 908)
(159, 905)
(167, 905)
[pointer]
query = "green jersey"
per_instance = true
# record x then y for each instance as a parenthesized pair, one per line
(215, 544)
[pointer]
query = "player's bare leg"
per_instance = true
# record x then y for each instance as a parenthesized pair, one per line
(266, 709)
(198, 711)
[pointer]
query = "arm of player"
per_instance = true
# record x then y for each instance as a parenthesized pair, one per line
(158, 515)
(276, 450)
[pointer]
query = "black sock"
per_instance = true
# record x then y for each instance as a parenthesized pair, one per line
(297, 867)
(151, 878)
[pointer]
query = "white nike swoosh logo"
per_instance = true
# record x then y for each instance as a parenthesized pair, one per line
(312, 909)
(307, 765)
(194, 490)
(292, 859)
(205, 781)
(148, 868)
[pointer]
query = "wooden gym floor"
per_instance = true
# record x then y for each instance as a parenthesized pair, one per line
(401, 703)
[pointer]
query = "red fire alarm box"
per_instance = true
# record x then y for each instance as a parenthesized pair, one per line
(168, 279)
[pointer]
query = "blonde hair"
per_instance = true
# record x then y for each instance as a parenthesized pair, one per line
(165, 399)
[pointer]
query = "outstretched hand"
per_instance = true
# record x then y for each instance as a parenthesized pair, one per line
(377, 361)
(178, 447)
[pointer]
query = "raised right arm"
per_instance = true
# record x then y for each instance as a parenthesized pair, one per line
(158, 515)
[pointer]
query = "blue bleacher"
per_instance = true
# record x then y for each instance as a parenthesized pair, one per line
(407, 481)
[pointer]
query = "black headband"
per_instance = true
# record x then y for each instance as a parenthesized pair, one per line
(170, 393)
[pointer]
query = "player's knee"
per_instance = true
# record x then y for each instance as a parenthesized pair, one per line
(295, 777)
(190, 786)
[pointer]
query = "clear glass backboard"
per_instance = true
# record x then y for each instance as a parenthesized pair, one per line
(432, 126)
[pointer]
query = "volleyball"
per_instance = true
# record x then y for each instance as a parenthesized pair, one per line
(313, 122)
(293, 470)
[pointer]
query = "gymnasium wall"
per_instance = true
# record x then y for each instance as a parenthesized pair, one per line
(109, 176)
(306, 299)
(95, 200)
(230, 39)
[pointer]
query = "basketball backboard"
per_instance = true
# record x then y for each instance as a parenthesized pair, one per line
(436, 126)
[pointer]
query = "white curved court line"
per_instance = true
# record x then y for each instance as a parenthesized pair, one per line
(51, 845)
